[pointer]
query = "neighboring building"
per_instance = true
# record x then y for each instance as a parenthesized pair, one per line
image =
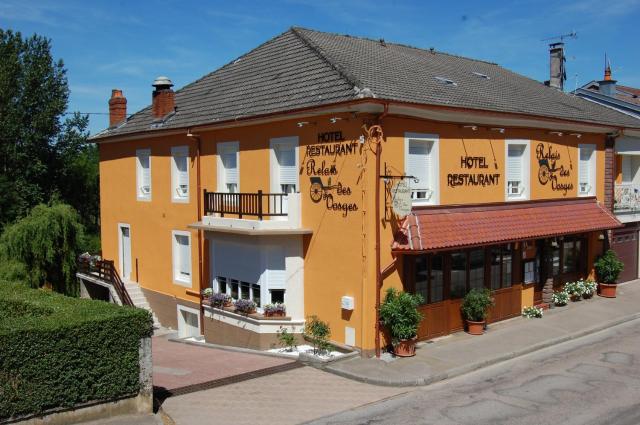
(259, 180)
(625, 241)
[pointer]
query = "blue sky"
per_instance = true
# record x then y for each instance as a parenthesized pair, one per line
(126, 44)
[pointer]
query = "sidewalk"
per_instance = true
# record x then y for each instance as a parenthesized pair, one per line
(462, 353)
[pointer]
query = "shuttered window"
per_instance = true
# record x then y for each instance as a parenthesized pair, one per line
(287, 170)
(143, 173)
(517, 169)
(587, 170)
(420, 166)
(180, 173)
(230, 163)
(181, 257)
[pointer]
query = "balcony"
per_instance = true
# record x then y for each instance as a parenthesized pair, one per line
(626, 201)
(252, 213)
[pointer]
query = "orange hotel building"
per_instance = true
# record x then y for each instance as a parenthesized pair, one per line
(259, 180)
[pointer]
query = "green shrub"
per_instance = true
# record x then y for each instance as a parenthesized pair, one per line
(287, 339)
(47, 242)
(475, 305)
(399, 314)
(318, 332)
(57, 351)
(608, 267)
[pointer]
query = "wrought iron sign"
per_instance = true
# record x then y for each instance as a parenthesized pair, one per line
(550, 171)
(473, 179)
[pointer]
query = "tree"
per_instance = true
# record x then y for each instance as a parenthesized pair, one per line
(33, 97)
(76, 171)
(42, 157)
(44, 246)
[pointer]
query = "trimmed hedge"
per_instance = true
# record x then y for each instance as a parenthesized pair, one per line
(57, 351)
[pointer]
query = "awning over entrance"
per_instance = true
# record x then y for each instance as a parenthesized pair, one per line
(433, 229)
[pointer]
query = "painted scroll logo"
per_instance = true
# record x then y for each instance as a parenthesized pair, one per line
(550, 171)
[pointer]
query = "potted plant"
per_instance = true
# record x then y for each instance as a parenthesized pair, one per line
(220, 300)
(206, 293)
(475, 307)
(608, 268)
(245, 306)
(399, 314)
(532, 312)
(590, 288)
(275, 310)
(575, 289)
(560, 298)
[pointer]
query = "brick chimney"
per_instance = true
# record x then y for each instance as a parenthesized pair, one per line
(117, 108)
(607, 86)
(163, 97)
(557, 73)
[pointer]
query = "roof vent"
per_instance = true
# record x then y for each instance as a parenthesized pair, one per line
(446, 81)
(481, 75)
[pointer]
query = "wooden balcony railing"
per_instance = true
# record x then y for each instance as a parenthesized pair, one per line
(106, 271)
(246, 204)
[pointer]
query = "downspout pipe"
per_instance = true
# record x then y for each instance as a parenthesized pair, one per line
(198, 141)
(379, 277)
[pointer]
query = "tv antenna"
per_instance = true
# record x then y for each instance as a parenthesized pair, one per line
(573, 34)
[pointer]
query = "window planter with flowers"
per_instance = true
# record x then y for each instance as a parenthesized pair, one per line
(275, 310)
(245, 306)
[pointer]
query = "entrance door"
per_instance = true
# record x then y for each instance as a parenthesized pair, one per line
(188, 322)
(625, 245)
(125, 251)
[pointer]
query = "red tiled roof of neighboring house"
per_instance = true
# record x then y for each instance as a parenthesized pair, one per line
(433, 229)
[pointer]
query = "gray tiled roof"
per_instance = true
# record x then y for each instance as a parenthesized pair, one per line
(304, 68)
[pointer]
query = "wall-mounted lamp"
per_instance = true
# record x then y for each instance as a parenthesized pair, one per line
(557, 133)
(472, 127)
(334, 120)
(302, 124)
(578, 135)
(601, 236)
(498, 129)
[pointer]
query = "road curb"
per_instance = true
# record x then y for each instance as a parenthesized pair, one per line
(462, 370)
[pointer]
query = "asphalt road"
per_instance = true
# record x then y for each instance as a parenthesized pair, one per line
(592, 380)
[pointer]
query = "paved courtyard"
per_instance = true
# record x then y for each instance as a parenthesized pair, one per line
(290, 397)
(178, 366)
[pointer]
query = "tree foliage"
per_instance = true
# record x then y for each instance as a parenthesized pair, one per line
(45, 243)
(42, 156)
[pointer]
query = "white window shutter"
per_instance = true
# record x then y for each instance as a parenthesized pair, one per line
(286, 156)
(146, 174)
(182, 175)
(230, 163)
(585, 165)
(419, 163)
(514, 163)
(184, 252)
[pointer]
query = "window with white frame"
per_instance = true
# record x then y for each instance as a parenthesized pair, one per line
(421, 162)
(228, 175)
(182, 257)
(587, 170)
(517, 172)
(286, 169)
(239, 290)
(143, 174)
(180, 173)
